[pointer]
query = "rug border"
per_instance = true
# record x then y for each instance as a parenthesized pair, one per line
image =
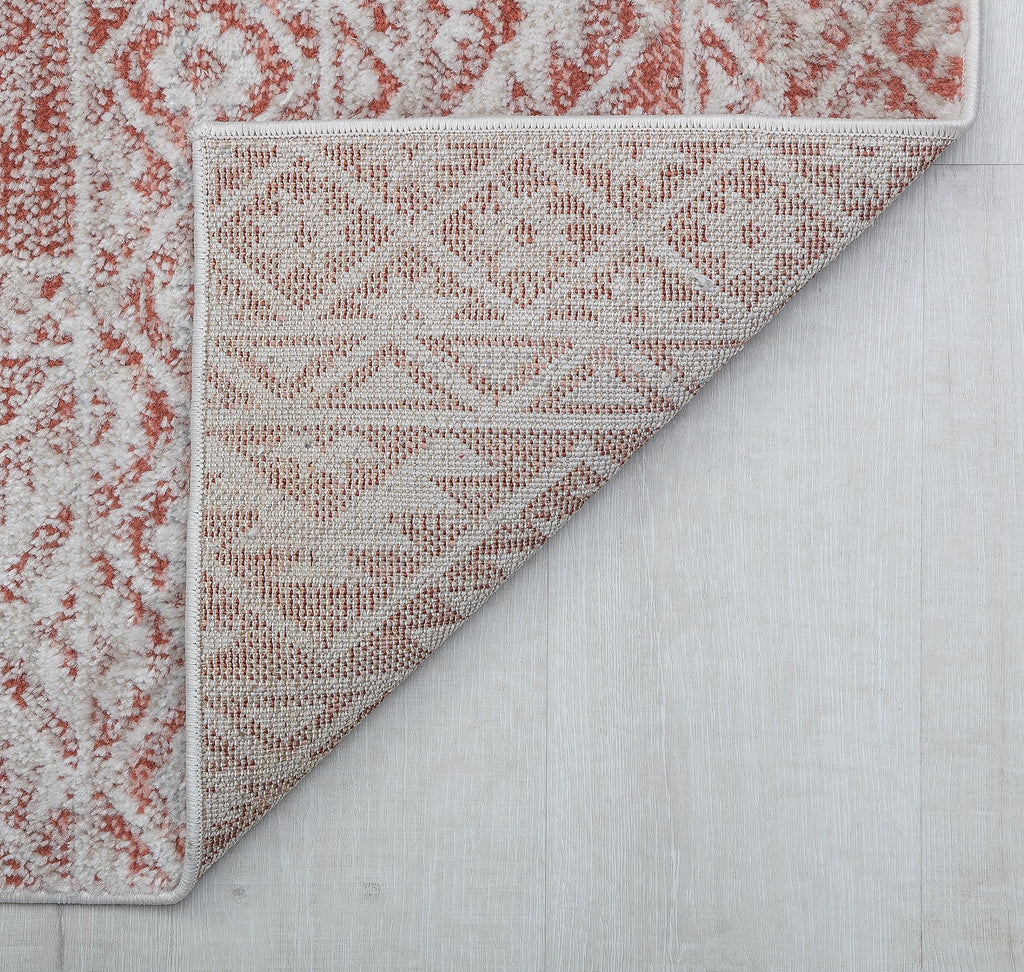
(206, 132)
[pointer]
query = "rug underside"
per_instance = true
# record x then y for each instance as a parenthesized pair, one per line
(419, 346)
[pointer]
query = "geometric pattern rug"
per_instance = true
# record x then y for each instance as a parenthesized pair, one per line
(453, 265)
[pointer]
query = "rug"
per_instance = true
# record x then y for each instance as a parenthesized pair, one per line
(454, 263)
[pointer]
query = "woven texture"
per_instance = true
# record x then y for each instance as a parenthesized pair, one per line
(97, 102)
(425, 351)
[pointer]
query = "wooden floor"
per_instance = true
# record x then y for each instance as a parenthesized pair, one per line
(759, 706)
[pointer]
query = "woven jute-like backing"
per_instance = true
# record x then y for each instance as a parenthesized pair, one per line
(520, 321)
(424, 349)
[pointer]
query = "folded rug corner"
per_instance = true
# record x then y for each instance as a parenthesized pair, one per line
(449, 274)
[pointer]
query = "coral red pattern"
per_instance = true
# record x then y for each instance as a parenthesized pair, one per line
(97, 100)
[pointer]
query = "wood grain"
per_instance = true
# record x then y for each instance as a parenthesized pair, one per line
(32, 936)
(973, 573)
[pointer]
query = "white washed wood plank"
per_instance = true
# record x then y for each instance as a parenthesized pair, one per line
(31, 937)
(733, 675)
(973, 572)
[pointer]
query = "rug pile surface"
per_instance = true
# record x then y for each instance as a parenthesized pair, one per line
(453, 264)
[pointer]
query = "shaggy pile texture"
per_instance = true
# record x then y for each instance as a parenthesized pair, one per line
(544, 304)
